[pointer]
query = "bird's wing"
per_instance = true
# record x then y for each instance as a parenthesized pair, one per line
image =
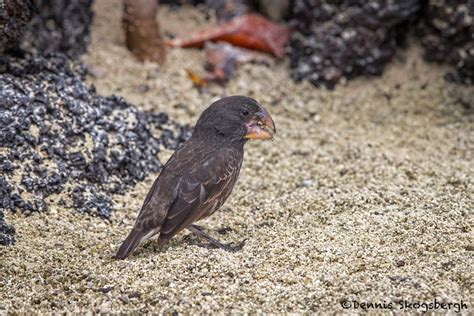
(202, 189)
(164, 190)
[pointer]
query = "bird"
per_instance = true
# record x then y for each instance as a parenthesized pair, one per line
(200, 175)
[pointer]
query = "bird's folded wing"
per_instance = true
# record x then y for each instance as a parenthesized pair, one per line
(205, 186)
(164, 191)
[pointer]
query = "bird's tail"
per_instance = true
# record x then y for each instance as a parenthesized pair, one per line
(130, 243)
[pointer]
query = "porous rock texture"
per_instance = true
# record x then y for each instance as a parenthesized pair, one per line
(14, 18)
(60, 142)
(447, 31)
(59, 26)
(343, 39)
(336, 39)
(58, 135)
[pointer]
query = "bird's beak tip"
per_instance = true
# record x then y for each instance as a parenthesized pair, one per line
(258, 127)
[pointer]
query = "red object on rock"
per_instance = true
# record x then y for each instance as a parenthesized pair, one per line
(251, 31)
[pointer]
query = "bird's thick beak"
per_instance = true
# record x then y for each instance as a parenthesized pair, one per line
(257, 127)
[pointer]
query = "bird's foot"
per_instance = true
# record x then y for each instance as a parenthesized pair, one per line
(230, 247)
(197, 230)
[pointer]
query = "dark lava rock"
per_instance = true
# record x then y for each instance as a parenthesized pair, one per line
(447, 31)
(59, 137)
(59, 26)
(346, 38)
(6, 231)
(14, 17)
(59, 141)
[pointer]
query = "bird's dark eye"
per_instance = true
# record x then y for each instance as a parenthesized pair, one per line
(245, 112)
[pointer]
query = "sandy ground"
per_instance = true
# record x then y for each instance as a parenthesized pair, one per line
(366, 194)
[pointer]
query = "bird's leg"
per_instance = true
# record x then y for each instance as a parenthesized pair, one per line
(197, 230)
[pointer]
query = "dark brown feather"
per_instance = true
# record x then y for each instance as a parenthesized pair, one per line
(194, 183)
(203, 191)
(131, 242)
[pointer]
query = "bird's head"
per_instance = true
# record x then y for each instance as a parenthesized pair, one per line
(235, 119)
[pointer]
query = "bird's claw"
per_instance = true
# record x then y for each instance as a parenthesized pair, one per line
(233, 248)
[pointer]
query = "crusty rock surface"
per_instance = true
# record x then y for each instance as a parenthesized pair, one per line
(57, 135)
(60, 142)
(447, 30)
(59, 26)
(336, 39)
(14, 18)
